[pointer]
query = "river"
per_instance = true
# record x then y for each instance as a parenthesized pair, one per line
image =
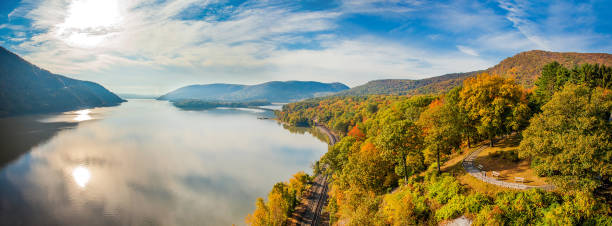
(145, 162)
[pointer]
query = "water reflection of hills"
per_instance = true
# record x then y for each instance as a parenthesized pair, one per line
(311, 130)
(21, 134)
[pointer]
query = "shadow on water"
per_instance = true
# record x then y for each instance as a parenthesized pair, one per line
(20, 134)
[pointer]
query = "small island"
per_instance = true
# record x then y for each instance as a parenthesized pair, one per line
(193, 104)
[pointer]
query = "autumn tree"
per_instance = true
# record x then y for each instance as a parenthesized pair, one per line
(298, 183)
(281, 201)
(398, 140)
(442, 128)
(498, 105)
(356, 132)
(570, 140)
(261, 214)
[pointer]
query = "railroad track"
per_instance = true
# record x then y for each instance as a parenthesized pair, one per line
(320, 203)
(310, 211)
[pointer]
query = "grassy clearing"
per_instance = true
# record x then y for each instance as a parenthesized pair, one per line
(454, 167)
(507, 168)
(498, 158)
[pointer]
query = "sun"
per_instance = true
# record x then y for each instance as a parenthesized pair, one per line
(89, 22)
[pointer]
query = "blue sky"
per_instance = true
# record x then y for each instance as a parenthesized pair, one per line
(154, 46)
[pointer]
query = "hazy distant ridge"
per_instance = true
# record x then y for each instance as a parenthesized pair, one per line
(275, 91)
(26, 88)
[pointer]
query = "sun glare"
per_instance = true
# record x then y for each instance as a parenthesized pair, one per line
(82, 115)
(89, 22)
(81, 176)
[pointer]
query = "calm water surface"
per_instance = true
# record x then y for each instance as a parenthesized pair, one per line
(148, 163)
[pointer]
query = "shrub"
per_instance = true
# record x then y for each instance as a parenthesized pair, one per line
(405, 207)
(517, 208)
(476, 202)
(460, 204)
(444, 188)
(489, 215)
(454, 208)
(579, 209)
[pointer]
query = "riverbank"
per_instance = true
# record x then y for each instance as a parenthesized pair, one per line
(310, 209)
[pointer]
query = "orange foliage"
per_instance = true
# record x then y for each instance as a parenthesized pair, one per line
(368, 149)
(436, 103)
(356, 132)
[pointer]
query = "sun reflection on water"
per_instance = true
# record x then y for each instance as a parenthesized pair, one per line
(81, 175)
(83, 115)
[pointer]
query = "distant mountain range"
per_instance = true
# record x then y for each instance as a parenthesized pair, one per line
(276, 91)
(26, 88)
(525, 67)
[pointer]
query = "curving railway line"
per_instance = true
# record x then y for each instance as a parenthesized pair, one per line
(310, 209)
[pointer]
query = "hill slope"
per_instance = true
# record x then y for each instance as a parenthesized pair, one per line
(408, 86)
(26, 88)
(525, 67)
(270, 91)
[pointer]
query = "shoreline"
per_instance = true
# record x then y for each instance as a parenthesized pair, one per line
(310, 209)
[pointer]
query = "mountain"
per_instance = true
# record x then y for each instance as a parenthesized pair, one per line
(408, 86)
(26, 88)
(525, 67)
(276, 91)
(202, 92)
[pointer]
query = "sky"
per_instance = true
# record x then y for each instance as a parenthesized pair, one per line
(155, 46)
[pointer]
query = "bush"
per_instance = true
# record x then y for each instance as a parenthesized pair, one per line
(454, 208)
(461, 204)
(489, 215)
(444, 188)
(407, 206)
(579, 209)
(476, 202)
(517, 208)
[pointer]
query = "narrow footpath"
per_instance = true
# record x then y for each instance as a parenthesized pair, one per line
(310, 209)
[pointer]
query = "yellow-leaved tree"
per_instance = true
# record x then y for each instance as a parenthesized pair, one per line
(498, 105)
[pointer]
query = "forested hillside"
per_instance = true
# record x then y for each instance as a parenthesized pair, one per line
(26, 88)
(407, 86)
(275, 91)
(527, 66)
(524, 67)
(386, 169)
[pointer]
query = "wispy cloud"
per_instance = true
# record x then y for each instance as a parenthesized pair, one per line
(467, 50)
(564, 26)
(379, 7)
